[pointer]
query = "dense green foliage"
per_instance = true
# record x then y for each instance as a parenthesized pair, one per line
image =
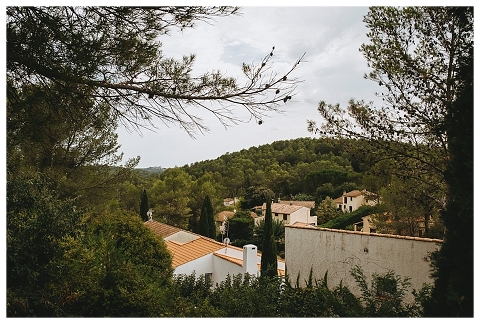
(246, 296)
(240, 228)
(422, 57)
(207, 221)
(144, 206)
(38, 223)
(75, 244)
(348, 219)
(452, 294)
(118, 268)
(269, 263)
(114, 55)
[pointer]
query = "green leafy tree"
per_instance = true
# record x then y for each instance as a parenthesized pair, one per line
(113, 55)
(278, 232)
(326, 211)
(385, 295)
(71, 140)
(453, 264)
(269, 251)
(144, 206)
(38, 225)
(206, 184)
(119, 268)
(422, 57)
(255, 196)
(207, 221)
(240, 228)
(408, 210)
(170, 196)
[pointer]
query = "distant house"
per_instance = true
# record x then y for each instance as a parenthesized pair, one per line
(230, 201)
(365, 225)
(352, 200)
(305, 203)
(289, 214)
(204, 256)
(225, 215)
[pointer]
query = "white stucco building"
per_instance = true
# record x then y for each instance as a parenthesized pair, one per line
(204, 256)
(289, 214)
(352, 200)
(337, 251)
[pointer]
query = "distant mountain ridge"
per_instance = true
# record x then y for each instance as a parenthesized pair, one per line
(154, 169)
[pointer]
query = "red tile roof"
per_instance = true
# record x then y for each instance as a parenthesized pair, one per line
(186, 252)
(304, 203)
(197, 248)
(282, 208)
(353, 193)
(162, 229)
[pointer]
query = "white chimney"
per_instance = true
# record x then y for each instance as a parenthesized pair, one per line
(250, 259)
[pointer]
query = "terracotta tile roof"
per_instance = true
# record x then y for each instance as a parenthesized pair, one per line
(194, 249)
(186, 252)
(229, 214)
(219, 216)
(304, 203)
(339, 200)
(301, 224)
(353, 193)
(162, 229)
(229, 258)
(282, 208)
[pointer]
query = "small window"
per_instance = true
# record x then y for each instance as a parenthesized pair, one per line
(351, 198)
(285, 216)
(276, 214)
(208, 277)
(350, 208)
(344, 200)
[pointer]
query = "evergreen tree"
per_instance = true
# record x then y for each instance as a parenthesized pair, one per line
(144, 206)
(269, 250)
(114, 55)
(423, 59)
(207, 222)
(452, 294)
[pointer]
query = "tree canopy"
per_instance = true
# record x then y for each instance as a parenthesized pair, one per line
(422, 58)
(113, 56)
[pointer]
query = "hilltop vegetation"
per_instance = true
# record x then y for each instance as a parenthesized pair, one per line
(76, 243)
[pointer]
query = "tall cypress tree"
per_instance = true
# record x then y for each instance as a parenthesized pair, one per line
(269, 249)
(144, 206)
(206, 226)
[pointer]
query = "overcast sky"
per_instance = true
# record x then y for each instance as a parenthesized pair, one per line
(333, 72)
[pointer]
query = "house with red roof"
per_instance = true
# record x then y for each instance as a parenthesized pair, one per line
(289, 213)
(352, 200)
(194, 253)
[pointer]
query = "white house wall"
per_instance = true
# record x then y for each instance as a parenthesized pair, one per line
(300, 215)
(218, 267)
(200, 266)
(223, 268)
(339, 251)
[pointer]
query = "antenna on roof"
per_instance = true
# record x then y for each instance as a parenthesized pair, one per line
(224, 230)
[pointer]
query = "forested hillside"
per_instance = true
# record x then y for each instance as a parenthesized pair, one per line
(313, 169)
(76, 243)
